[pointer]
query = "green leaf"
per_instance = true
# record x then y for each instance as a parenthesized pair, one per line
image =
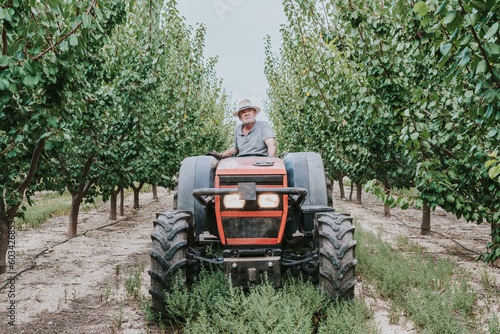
(49, 145)
(4, 84)
(6, 14)
(494, 171)
(450, 17)
(441, 8)
(4, 60)
(489, 163)
(481, 67)
(445, 48)
(30, 80)
(492, 50)
(73, 40)
(492, 31)
(421, 8)
(465, 55)
(64, 46)
(86, 21)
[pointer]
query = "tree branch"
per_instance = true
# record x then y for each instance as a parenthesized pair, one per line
(66, 36)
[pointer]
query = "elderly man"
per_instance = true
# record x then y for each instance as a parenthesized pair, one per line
(252, 137)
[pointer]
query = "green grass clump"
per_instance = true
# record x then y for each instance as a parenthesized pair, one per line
(214, 306)
(430, 291)
(45, 207)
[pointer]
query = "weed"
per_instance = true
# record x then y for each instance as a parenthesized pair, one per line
(214, 306)
(394, 313)
(402, 242)
(106, 292)
(45, 207)
(133, 284)
(487, 280)
(493, 325)
(117, 270)
(119, 317)
(424, 288)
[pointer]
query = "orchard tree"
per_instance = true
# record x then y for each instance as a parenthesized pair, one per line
(41, 42)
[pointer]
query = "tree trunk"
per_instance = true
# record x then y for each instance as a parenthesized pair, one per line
(7, 214)
(350, 192)
(341, 185)
(495, 263)
(4, 234)
(155, 192)
(387, 208)
(425, 228)
(169, 191)
(4, 244)
(137, 190)
(122, 202)
(112, 209)
(76, 201)
(359, 189)
(78, 195)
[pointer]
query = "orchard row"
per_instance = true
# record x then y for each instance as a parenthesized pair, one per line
(396, 94)
(100, 95)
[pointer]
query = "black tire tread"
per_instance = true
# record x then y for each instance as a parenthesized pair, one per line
(337, 254)
(168, 254)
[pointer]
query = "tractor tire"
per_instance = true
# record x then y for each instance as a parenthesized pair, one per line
(334, 239)
(172, 236)
(196, 172)
(305, 170)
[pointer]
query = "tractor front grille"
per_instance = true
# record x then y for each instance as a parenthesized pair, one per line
(251, 227)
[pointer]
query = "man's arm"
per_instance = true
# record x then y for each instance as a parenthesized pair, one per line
(229, 153)
(271, 146)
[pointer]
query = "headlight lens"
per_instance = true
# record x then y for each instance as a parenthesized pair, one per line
(233, 201)
(269, 201)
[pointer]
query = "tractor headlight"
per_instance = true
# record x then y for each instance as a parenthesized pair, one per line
(269, 201)
(233, 201)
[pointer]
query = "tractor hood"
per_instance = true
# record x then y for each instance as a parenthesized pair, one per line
(251, 166)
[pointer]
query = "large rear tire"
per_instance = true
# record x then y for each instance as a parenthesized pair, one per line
(334, 238)
(171, 238)
(196, 172)
(305, 170)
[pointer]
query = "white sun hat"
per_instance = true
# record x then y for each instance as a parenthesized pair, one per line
(245, 104)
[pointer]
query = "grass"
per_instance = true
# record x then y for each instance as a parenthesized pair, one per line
(46, 206)
(213, 306)
(53, 204)
(435, 294)
(133, 282)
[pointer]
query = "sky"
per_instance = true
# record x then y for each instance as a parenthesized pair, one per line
(236, 31)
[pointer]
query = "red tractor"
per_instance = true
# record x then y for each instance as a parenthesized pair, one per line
(269, 216)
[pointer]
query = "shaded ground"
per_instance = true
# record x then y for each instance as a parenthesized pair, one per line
(80, 286)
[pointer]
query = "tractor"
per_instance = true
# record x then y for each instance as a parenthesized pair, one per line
(267, 217)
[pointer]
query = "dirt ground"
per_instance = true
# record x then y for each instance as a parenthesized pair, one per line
(79, 286)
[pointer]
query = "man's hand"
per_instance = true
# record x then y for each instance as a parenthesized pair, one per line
(215, 154)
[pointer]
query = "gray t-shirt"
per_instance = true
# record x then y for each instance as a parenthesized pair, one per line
(253, 142)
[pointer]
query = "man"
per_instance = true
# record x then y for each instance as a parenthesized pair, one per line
(251, 137)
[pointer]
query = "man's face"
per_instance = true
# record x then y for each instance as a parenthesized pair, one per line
(247, 116)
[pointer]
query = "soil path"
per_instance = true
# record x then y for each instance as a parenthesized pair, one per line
(80, 286)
